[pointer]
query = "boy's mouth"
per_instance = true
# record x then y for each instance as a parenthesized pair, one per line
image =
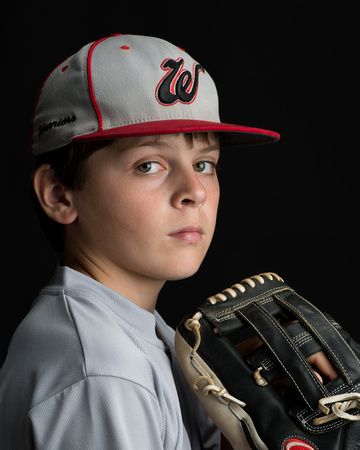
(189, 234)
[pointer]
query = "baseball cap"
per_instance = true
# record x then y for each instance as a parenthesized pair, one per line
(126, 85)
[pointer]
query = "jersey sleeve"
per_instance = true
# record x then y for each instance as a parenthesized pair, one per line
(99, 412)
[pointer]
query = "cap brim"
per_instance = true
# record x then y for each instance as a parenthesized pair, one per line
(233, 134)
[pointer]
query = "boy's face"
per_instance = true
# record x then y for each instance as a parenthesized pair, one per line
(149, 206)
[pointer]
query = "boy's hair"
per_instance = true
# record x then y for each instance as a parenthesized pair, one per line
(69, 166)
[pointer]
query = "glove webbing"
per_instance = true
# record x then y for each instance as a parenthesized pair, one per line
(257, 307)
(285, 352)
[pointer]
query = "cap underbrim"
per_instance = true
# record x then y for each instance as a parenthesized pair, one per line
(233, 134)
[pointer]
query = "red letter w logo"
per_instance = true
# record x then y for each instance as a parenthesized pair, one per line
(178, 84)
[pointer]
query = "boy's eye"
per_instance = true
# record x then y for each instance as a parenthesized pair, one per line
(150, 167)
(204, 167)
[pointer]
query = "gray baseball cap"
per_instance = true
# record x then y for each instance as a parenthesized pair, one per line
(130, 85)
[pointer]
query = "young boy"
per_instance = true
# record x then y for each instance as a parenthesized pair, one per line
(126, 139)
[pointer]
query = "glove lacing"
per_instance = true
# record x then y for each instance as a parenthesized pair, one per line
(340, 404)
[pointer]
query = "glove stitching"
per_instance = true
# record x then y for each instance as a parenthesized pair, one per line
(268, 363)
(229, 312)
(321, 340)
(305, 341)
(245, 303)
(304, 416)
(341, 337)
(319, 336)
(300, 336)
(263, 301)
(264, 340)
(305, 363)
(328, 427)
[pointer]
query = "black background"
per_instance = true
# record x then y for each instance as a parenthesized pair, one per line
(288, 207)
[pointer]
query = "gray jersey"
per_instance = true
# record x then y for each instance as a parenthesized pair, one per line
(86, 370)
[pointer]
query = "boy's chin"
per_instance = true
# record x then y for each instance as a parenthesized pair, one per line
(180, 266)
(183, 272)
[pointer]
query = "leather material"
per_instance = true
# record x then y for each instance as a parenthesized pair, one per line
(290, 329)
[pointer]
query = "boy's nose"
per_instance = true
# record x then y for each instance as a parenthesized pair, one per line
(189, 190)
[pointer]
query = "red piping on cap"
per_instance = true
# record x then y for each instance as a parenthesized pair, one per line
(90, 80)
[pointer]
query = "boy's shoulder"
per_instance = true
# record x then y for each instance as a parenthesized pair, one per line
(71, 334)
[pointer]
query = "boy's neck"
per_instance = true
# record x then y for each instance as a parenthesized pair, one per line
(138, 289)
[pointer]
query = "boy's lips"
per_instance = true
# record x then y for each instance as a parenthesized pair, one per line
(189, 234)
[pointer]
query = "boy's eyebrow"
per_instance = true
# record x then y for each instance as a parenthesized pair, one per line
(210, 148)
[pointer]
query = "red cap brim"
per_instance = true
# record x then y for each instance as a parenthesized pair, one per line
(235, 134)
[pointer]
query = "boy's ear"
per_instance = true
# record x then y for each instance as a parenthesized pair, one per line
(55, 199)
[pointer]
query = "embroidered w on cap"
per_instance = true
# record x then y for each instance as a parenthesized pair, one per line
(178, 84)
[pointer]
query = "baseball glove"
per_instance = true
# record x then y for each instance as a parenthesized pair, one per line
(245, 353)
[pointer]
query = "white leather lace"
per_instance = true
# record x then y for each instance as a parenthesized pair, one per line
(340, 404)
